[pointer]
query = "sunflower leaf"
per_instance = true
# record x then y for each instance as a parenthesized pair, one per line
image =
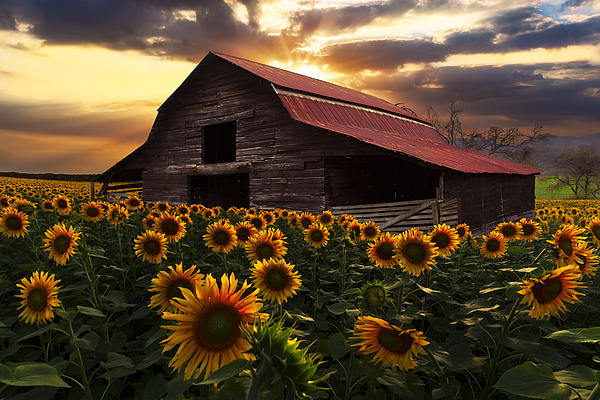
(90, 311)
(31, 375)
(535, 381)
(227, 371)
(584, 335)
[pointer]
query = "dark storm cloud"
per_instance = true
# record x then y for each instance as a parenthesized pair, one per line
(573, 3)
(519, 20)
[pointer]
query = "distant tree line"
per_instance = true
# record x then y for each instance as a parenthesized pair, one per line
(53, 177)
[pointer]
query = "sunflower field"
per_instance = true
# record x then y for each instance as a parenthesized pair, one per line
(134, 300)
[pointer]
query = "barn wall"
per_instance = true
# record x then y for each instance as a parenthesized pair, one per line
(487, 199)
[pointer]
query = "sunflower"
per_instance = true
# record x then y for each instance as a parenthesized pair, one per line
(530, 230)
(594, 228)
(268, 217)
(276, 279)
(151, 246)
(133, 203)
(62, 205)
(444, 238)
(47, 205)
(258, 222)
(393, 347)
(194, 208)
(61, 243)
(266, 244)
(316, 235)
(462, 231)
(149, 222)
(13, 223)
(326, 218)
(39, 294)
(375, 295)
(510, 230)
(244, 231)
(494, 245)
(207, 213)
(353, 230)
(117, 214)
(548, 294)
(565, 239)
(415, 252)
(306, 219)
(382, 251)
(209, 326)
(24, 206)
(585, 259)
(167, 285)
(5, 201)
(369, 231)
(170, 226)
(293, 220)
(92, 212)
(162, 207)
(220, 236)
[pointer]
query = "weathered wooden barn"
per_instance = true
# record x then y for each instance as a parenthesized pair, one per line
(241, 133)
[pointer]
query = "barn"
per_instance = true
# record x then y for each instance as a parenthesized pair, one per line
(241, 133)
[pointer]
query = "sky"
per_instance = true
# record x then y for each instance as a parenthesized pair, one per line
(80, 81)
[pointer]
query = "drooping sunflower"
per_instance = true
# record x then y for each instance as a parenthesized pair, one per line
(549, 294)
(594, 228)
(167, 285)
(39, 298)
(276, 279)
(151, 246)
(369, 231)
(244, 230)
(92, 212)
(510, 230)
(209, 326)
(13, 223)
(393, 347)
(415, 253)
(565, 239)
(220, 236)
(585, 259)
(530, 230)
(494, 245)
(266, 244)
(326, 218)
(62, 205)
(316, 235)
(462, 231)
(374, 295)
(133, 203)
(382, 251)
(170, 226)
(117, 214)
(444, 238)
(61, 243)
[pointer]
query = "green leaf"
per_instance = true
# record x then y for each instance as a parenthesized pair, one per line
(577, 375)
(584, 335)
(31, 375)
(227, 371)
(90, 311)
(533, 380)
(339, 308)
(428, 290)
(337, 346)
(38, 332)
(114, 360)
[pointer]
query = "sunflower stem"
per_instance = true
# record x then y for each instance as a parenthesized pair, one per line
(86, 383)
(258, 379)
(348, 391)
(595, 395)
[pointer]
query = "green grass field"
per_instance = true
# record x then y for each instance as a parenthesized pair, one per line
(543, 191)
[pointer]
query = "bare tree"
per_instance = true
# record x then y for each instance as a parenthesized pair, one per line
(578, 170)
(451, 129)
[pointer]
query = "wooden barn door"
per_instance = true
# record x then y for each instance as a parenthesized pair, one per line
(225, 190)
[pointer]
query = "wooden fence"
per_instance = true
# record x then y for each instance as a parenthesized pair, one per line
(120, 190)
(399, 216)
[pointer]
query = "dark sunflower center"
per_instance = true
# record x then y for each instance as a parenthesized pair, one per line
(93, 212)
(370, 232)
(170, 227)
(264, 251)
(508, 231)
(394, 342)
(547, 291)
(305, 222)
(277, 279)
(414, 252)
(492, 245)
(528, 229)
(150, 223)
(221, 238)
(13, 223)
(61, 203)
(581, 261)
(564, 243)
(174, 288)
(316, 236)
(217, 328)
(134, 203)
(37, 299)
(461, 231)
(268, 219)
(441, 240)
(596, 231)
(4, 202)
(375, 296)
(183, 211)
(385, 251)
(243, 234)
(257, 222)
(152, 247)
(162, 207)
(61, 244)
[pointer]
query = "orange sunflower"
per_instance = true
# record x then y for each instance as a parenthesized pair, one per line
(151, 246)
(266, 244)
(61, 243)
(276, 279)
(354, 231)
(510, 230)
(530, 230)
(462, 231)
(382, 251)
(170, 226)
(167, 285)
(494, 245)
(258, 222)
(548, 294)
(316, 235)
(220, 236)
(393, 347)
(62, 205)
(444, 238)
(39, 294)
(244, 231)
(305, 220)
(585, 259)
(415, 253)
(326, 218)
(117, 214)
(133, 203)
(13, 223)
(209, 325)
(565, 239)
(369, 231)
(92, 212)
(594, 228)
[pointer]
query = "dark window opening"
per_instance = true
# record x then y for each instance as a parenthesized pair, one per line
(219, 143)
(231, 190)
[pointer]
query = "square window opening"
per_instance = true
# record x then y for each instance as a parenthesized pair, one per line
(219, 143)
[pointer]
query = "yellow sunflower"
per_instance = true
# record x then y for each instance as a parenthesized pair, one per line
(585, 259)
(207, 213)
(444, 238)
(353, 230)
(316, 235)
(266, 244)
(209, 326)
(5, 201)
(258, 222)
(369, 231)
(167, 285)
(133, 203)
(13, 223)
(195, 208)
(393, 347)
(39, 294)
(151, 246)
(62, 205)
(268, 216)
(292, 220)
(149, 222)
(220, 236)
(462, 231)
(305, 220)
(170, 226)
(162, 207)
(415, 253)
(182, 209)
(117, 214)
(382, 251)
(510, 230)
(61, 243)
(594, 228)
(276, 279)
(244, 231)
(565, 239)
(47, 205)
(326, 218)
(530, 230)
(494, 245)
(92, 212)
(548, 294)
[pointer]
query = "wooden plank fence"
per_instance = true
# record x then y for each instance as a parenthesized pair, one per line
(120, 190)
